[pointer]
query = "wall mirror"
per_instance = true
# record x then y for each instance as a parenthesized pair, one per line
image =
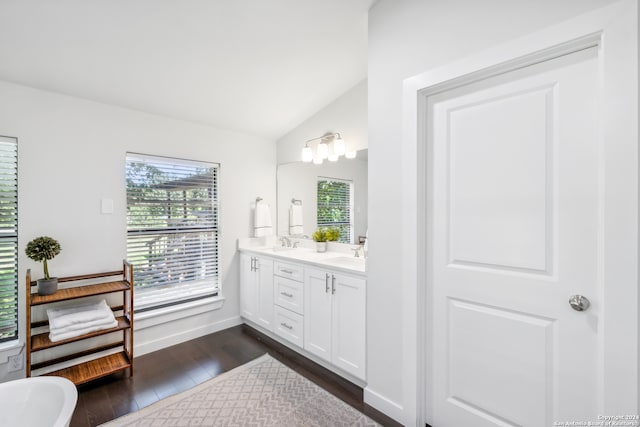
(331, 194)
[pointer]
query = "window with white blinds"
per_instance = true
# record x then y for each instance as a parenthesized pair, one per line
(172, 229)
(8, 238)
(335, 206)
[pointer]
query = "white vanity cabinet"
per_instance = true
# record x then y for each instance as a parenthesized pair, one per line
(256, 290)
(334, 324)
(312, 303)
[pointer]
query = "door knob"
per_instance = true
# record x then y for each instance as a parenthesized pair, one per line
(579, 302)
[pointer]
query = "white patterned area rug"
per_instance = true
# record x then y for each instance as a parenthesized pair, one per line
(263, 392)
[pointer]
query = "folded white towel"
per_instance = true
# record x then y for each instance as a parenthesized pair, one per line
(107, 320)
(80, 315)
(54, 337)
(296, 222)
(262, 220)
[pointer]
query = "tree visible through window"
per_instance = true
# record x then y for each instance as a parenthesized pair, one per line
(172, 229)
(335, 206)
(8, 238)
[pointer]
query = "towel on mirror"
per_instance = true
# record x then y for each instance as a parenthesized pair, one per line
(262, 220)
(296, 224)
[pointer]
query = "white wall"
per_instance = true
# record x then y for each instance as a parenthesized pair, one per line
(408, 37)
(72, 153)
(346, 115)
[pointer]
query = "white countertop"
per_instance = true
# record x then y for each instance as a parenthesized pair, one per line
(337, 257)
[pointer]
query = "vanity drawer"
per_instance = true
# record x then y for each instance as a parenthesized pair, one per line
(288, 325)
(290, 271)
(288, 294)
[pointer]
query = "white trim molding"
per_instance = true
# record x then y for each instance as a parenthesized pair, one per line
(382, 404)
(147, 321)
(149, 346)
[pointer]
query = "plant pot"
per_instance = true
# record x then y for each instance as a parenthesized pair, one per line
(47, 286)
(321, 246)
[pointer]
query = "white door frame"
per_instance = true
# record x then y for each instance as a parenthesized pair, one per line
(614, 29)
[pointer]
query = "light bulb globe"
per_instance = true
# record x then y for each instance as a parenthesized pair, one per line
(339, 146)
(307, 154)
(323, 151)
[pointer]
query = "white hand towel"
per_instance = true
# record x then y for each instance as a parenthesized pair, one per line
(63, 317)
(296, 224)
(262, 220)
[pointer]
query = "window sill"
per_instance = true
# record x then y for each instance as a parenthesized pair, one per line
(151, 318)
(8, 349)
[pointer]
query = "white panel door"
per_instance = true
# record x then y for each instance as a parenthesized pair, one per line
(515, 232)
(349, 329)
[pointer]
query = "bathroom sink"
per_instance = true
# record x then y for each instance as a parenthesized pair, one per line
(345, 261)
(286, 251)
(330, 259)
(283, 249)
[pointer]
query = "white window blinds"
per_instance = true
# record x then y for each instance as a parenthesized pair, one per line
(335, 206)
(172, 229)
(8, 238)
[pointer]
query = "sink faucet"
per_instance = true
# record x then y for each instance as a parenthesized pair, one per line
(285, 239)
(356, 251)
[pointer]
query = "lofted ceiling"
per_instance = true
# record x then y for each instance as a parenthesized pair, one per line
(258, 66)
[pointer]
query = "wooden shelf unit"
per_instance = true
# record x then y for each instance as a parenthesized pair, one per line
(97, 367)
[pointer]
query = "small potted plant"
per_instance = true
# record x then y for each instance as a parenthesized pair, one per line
(323, 235)
(42, 249)
(333, 234)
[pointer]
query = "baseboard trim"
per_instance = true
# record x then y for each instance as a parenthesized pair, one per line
(384, 405)
(142, 348)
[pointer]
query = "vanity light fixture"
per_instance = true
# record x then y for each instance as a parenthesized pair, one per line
(329, 146)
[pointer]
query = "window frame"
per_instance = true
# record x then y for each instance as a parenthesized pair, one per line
(151, 297)
(11, 236)
(350, 207)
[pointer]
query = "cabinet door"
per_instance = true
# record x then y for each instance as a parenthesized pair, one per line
(317, 313)
(248, 288)
(265, 293)
(349, 330)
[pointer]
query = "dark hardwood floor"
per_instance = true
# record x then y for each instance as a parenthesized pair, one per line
(172, 370)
